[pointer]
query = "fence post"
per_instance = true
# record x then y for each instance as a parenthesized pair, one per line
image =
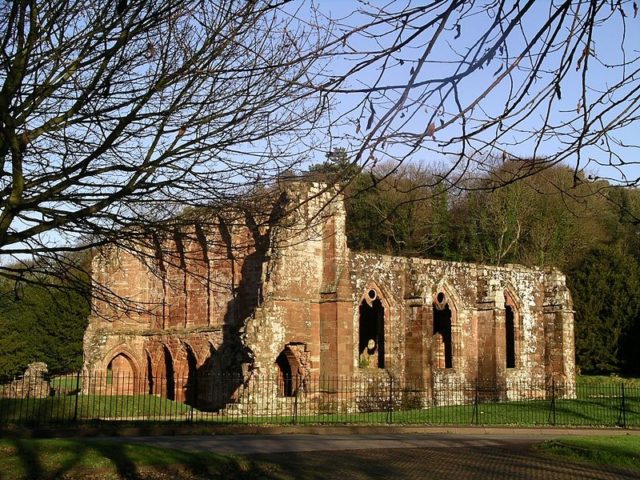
(294, 417)
(475, 417)
(29, 414)
(390, 403)
(194, 394)
(36, 391)
(622, 421)
(552, 412)
(75, 409)
(189, 397)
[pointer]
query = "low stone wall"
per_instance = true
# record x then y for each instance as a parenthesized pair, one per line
(31, 385)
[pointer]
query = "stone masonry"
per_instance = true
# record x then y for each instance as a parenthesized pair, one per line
(285, 298)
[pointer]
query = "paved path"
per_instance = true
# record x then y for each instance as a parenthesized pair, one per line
(397, 456)
(250, 444)
(463, 463)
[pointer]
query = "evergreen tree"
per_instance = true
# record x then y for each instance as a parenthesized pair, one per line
(43, 324)
(606, 296)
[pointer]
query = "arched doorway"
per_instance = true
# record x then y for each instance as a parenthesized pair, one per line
(511, 330)
(121, 375)
(442, 331)
(285, 376)
(170, 387)
(371, 340)
(289, 371)
(191, 386)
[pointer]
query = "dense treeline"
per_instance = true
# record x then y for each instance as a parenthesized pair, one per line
(584, 227)
(43, 320)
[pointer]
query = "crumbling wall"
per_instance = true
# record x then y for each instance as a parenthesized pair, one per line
(285, 296)
(32, 384)
(307, 258)
(478, 296)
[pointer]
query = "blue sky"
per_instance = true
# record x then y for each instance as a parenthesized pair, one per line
(526, 136)
(565, 113)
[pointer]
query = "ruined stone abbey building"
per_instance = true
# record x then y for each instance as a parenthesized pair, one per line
(288, 299)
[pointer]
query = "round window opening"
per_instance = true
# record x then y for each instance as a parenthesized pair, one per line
(372, 294)
(440, 297)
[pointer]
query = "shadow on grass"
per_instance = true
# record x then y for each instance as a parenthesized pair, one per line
(53, 459)
(29, 456)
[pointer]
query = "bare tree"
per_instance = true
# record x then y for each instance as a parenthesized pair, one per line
(464, 81)
(115, 116)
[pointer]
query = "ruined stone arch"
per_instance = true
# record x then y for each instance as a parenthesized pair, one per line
(188, 375)
(446, 349)
(163, 368)
(291, 368)
(183, 354)
(126, 352)
(189, 350)
(156, 374)
(374, 327)
(122, 372)
(443, 286)
(512, 327)
(170, 380)
(149, 370)
(208, 359)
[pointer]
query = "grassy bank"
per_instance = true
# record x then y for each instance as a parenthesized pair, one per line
(618, 451)
(67, 408)
(592, 380)
(71, 459)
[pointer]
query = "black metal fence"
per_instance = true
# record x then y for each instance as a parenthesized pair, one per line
(364, 399)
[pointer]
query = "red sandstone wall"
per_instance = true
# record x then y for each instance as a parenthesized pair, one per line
(192, 305)
(477, 294)
(172, 308)
(190, 284)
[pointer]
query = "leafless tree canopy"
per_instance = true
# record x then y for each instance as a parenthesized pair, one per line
(465, 81)
(118, 114)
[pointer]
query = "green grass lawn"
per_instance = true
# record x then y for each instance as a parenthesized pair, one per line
(66, 383)
(71, 459)
(618, 451)
(66, 408)
(594, 412)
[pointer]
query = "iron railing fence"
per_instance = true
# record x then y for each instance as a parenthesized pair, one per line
(364, 399)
